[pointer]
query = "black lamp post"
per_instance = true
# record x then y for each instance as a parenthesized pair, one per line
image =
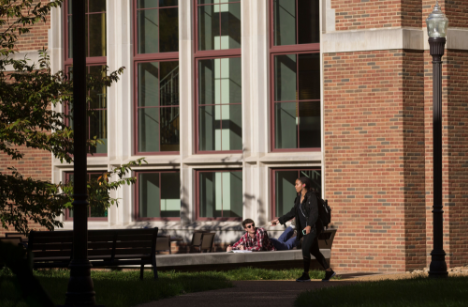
(437, 24)
(80, 286)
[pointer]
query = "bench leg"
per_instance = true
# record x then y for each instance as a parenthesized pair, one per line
(142, 269)
(155, 269)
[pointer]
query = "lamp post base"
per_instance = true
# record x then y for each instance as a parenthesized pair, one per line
(438, 267)
(80, 286)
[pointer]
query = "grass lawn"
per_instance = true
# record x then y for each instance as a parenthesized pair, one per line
(124, 288)
(416, 292)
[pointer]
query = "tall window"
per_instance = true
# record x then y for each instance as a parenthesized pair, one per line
(219, 194)
(156, 61)
(295, 80)
(157, 195)
(283, 191)
(95, 213)
(96, 59)
(218, 76)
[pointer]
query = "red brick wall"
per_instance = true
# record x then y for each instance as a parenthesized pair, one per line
(374, 158)
(37, 36)
(456, 157)
(368, 14)
(36, 164)
(456, 11)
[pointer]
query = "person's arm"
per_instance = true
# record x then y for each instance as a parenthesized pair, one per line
(240, 242)
(288, 216)
(313, 213)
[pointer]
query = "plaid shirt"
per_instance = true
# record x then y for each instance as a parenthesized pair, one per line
(261, 242)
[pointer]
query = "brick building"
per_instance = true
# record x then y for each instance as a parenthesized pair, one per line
(230, 101)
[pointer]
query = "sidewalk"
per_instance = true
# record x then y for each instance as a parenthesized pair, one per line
(247, 293)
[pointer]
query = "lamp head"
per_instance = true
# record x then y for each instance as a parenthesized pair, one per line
(437, 23)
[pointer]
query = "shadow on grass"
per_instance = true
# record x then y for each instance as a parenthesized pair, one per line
(119, 289)
(416, 292)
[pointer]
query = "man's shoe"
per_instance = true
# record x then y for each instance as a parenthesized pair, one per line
(328, 275)
(305, 277)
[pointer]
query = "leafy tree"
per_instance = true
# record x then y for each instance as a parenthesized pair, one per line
(28, 119)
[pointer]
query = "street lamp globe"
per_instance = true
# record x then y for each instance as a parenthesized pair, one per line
(437, 23)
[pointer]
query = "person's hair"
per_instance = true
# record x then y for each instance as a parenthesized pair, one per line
(306, 181)
(247, 221)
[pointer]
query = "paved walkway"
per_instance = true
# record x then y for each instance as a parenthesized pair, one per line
(246, 293)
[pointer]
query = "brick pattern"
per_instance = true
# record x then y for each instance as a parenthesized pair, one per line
(374, 151)
(37, 36)
(368, 14)
(456, 11)
(455, 172)
(36, 164)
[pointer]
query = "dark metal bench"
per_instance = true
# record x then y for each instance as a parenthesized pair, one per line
(106, 248)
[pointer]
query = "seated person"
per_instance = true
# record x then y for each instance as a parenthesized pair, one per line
(254, 239)
(287, 240)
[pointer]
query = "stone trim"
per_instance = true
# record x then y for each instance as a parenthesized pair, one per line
(389, 39)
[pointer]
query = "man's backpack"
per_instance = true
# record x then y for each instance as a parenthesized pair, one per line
(324, 212)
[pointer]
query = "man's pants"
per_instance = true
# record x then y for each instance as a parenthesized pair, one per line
(285, 242)
(310, 246)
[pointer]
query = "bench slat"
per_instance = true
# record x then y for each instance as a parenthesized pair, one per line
(133, 244)
(52, 246)
(129, 251)
(51, 254)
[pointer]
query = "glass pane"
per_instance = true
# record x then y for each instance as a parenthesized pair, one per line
(70, 37)
(309, 76)
(170, 129)
(309, 125)
(285, 191)
(315, 177)
(285, 22)
(70, 6)
(209, 128)
(97, 6)
(285, 125)
(230, 26)
(98, 129)
(232, 194)
(148, 31)
(170, 195)
(169, 86)
(148, 79)
(211, 1)
(285, 77)
(148, 129)
(209, 201)
(163, 3)
(169, 34)
(209, 81)
(208, 28)
(309, 21)
(96, 210)
(142, 4)
(231, 134)
(98, 96)
(148, 195)
(230, 79)
(97, 35)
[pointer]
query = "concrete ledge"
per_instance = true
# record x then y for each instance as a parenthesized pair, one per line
(373, 39)
(208, 259)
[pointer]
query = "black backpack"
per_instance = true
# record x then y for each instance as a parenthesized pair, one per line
(324, 212)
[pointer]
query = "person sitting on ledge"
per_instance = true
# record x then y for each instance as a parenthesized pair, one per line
(254, 239)
(287, 240)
